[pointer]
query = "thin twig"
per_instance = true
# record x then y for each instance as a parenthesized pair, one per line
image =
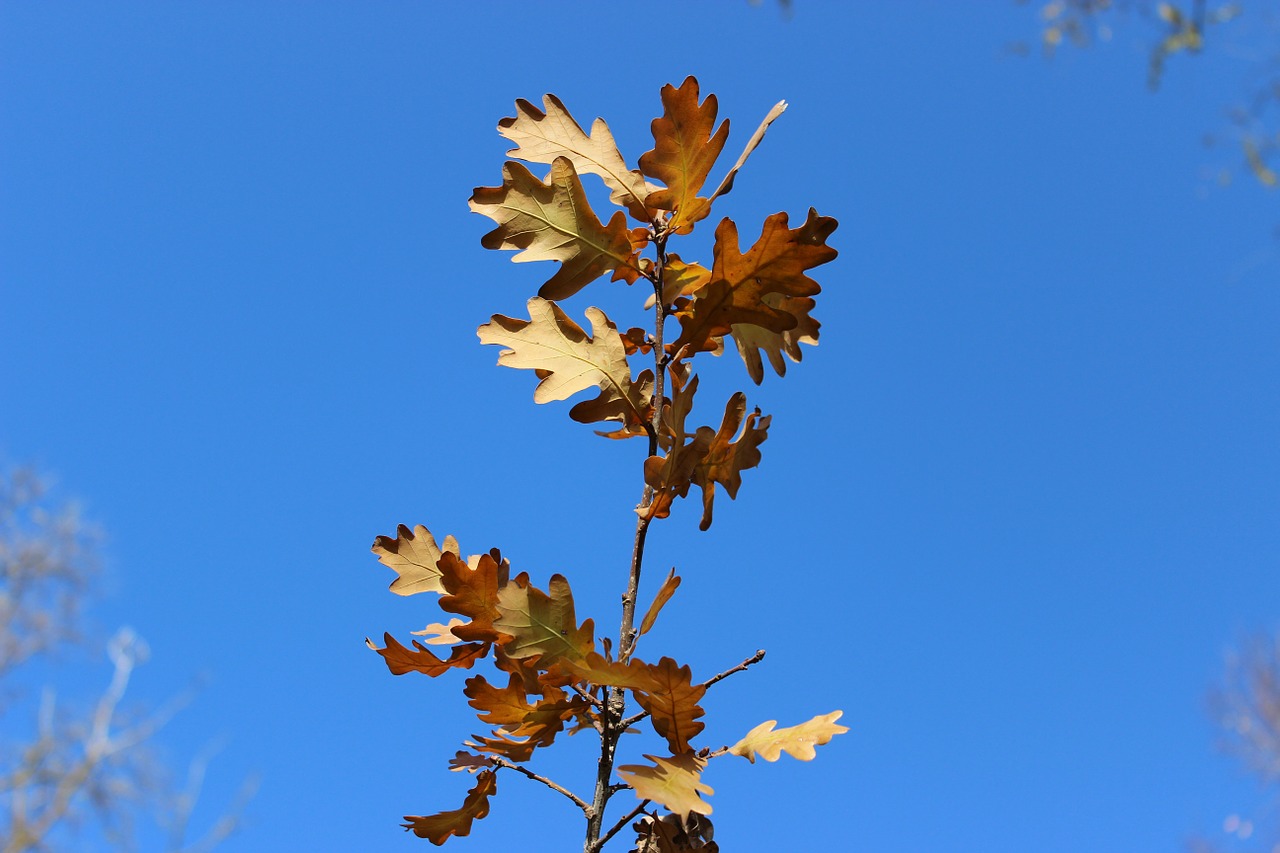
(581, 691)
(617, 827)
(519, 768)
(754, 659)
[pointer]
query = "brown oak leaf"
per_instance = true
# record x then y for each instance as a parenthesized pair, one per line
(684, 150)
(730, 453)
(668, 589)
(401, 659)
(543, 623)
(751, 339)
(673, 703)
(473, 592)
(437, 828)
(674, 782)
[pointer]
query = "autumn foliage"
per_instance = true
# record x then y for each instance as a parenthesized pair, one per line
(553, 675)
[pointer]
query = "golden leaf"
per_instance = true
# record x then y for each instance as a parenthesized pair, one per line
(440, 634)
(796, 741)
(673, 782)
(437, 828)
(543, 623)
(668, 589)
(542, 137)
(739, 282)
(684, 151)
(568, 361)
(554, 222)
(413, 555)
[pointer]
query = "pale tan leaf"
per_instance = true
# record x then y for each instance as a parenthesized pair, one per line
(543, 623)
(542, 137)
(796, 741)
(438, 634)
(674, 782)
(413, 555)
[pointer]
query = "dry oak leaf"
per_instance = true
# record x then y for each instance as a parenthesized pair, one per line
(501, 707)
(463, 760)
(668, 589)
(567, 360)
(473, 592)
(673, 705)
(633, 675)
(670, 476)
(440, 633)
(751, 340)
(413, 555)
(401, 659)
(684, 150)
(739, 282)
(673, 833)
(729, 455)
(542, 137)
(437, 828)
(554, 222)
(543, 623)
(674, 782)
(796, 741)
(756, 138)
(500, 744)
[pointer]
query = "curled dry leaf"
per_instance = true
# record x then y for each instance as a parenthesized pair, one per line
(756, 138)
(796, 741)
(673, 782)
(438, 634)
(554, 222)
(437, 828)
(752, 340)
(401, 659)
(668, 589)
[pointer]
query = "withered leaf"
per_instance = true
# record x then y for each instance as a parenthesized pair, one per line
(500, 707)
(542, 137)
(674, 782)
(463, 760)
(673, 833)
(727, 184)
(413, 555)
(729, 454)
(437, 828)
(633, 675)
(543, 623)
(684, 150)
(554, 222)
(473, 592)
(668, 589)
(502, 745)
(751, 339)
(440, 634)
(739, 282)
(420, 659)
(568, 361)
(796, 741)
(673, 705)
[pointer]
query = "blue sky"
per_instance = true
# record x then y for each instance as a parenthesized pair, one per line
(1011, 513)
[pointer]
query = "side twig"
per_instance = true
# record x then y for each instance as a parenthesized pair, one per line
(499, 761)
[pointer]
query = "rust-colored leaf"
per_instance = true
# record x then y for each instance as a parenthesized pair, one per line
(673, 833)
(730, 453)
(739, 282)
(503, 707)
(413, 555)
(420, 659)
(554, 222)
(543, 623)
(542, 137)
(473, 592)
(463, 760)
(437, 828)
(752, 339)
(507, 747)
(673, 705)
(668, 589)
(796, 741)
(567, 360)
(674, 782)
(684, 150)
(596, 670)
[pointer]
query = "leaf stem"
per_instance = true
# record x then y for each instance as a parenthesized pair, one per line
(499, 761)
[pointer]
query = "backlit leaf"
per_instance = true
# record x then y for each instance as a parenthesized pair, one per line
(420, 659)
(752, 339)
(684, 150)
(554, 222)
(730, 453)
(543, 623)
(413, 555)
(674, 782)
(673, 705)
(473, 592)
(668, 589)
(756, 138)
(542, 137)
(796, 741)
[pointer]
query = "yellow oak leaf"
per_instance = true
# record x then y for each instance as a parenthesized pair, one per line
(543, 623)
(553, 221)
(567, 360)
(684, 150)
(796, 741)
(413, 555)
(674, 782)
(541, 137)
(437, 828)
(739, 282)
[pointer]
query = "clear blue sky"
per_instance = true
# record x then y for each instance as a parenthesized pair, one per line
(1011, 513)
